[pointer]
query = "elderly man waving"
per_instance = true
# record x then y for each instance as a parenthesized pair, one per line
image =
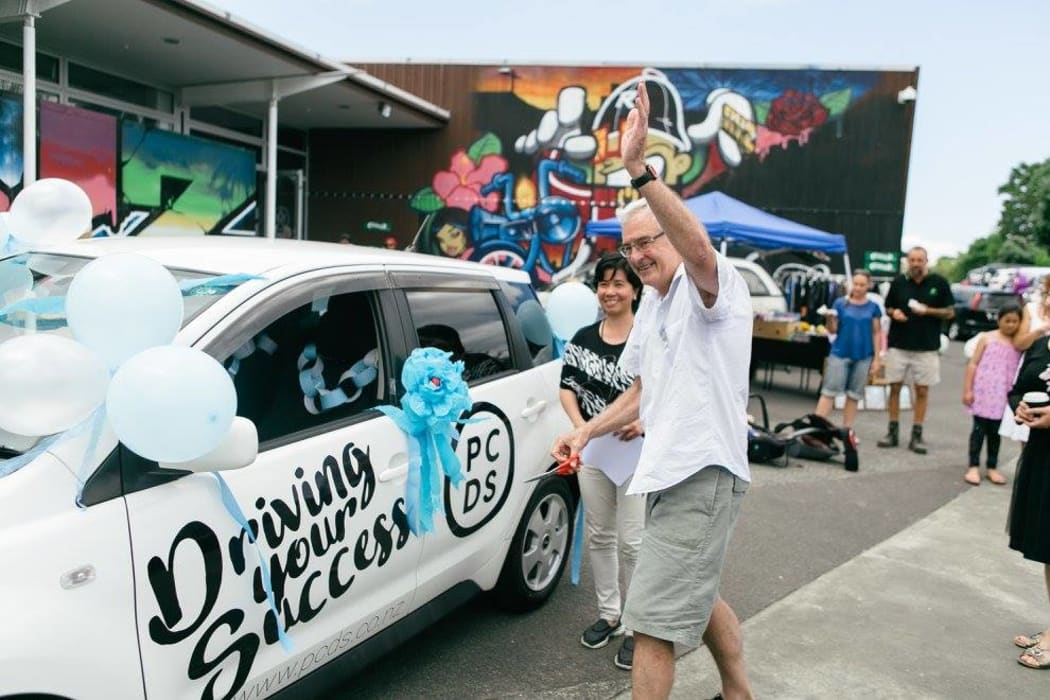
(689, 352)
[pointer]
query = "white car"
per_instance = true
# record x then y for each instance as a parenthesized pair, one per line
(766, 296)
(149, 588)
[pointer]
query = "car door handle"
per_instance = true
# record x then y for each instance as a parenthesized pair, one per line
(397, 469)
(533, 409)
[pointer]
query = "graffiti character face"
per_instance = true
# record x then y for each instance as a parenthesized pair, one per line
(451, 240)
(660, 153)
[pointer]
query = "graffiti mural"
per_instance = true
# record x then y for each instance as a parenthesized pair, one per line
(140, 181)
(81, 146)
(181, 185)
(549, 158)
(11, 164)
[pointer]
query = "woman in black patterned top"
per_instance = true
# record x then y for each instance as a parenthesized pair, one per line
(1030, 509)
(591, 379)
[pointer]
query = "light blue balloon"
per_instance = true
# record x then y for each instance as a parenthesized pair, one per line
(171, 403)
(534, 322)
(570, 307)
(15, 281)
(121, 304)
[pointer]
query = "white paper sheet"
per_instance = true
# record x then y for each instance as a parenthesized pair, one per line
(613, 456)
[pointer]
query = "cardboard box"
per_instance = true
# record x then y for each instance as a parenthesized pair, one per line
(776, 330)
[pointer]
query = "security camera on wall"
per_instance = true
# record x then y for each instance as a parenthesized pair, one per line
(906, 95)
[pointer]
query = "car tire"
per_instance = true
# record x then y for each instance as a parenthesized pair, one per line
(540, 549)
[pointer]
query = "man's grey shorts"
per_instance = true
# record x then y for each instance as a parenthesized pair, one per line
(687, 531)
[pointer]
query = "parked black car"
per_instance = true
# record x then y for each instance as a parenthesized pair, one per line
(977, 310)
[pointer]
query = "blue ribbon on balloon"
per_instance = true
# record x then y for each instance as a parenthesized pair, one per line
(435, 396)
(56, 306)
(234, 509)
(94, 423)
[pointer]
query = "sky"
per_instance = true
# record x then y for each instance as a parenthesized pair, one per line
(983, 94)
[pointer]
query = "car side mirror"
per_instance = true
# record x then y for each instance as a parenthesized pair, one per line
(239, 448)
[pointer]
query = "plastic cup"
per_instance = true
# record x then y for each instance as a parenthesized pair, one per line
(1036, 399)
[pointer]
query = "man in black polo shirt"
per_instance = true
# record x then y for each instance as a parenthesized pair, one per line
(918, 303)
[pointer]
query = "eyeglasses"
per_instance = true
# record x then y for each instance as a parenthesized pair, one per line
(641, 245)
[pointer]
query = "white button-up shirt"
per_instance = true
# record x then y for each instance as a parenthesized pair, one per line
(694, 365)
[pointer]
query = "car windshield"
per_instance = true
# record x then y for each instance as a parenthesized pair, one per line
(52, 275)
(995, 301)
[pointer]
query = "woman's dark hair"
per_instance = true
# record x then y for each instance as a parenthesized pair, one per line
(428, 242)
(1010, 309)
(611, 262)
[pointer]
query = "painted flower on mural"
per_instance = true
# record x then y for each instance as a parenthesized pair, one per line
(794, 112)
(460, 185)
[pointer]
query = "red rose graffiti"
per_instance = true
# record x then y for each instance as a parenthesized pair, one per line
(795, 112)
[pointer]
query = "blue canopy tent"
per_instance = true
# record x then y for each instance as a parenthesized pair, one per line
(728, 219)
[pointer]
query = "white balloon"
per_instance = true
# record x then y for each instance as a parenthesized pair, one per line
(171, 403)
(49, 383)
(51, 210)
(121, 304)
(971, 346)
(570, 307)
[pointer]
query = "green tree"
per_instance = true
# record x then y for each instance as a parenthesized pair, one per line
(1026, 205)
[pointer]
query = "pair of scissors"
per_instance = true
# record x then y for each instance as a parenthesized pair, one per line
(569, 466)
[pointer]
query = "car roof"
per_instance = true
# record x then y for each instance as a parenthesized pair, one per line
(276, 258)
(978, 289)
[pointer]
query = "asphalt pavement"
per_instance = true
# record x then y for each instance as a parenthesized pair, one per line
(882, 583)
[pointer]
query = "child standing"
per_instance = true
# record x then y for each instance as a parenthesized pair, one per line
(989, 376)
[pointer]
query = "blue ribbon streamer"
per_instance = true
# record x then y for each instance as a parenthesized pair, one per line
(577, 546)
(559, 347)
(234, 509)
(10, 466)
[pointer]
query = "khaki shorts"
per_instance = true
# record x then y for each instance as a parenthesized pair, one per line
(922, 367)
(687, 531)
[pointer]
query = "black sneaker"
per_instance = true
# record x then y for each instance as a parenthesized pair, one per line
(625, 656)
(597, 635)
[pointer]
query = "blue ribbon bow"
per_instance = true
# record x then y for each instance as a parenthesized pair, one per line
(435, 397)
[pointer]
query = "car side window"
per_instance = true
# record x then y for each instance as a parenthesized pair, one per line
(532, 320)
(754, 283)
(315, 365)
(466, 323)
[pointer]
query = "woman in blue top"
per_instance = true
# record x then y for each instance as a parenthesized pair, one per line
(857, 321)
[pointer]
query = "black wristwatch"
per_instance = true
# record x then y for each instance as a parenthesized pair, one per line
(648, 176)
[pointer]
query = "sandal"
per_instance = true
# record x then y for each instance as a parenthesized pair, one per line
(973, 476)
(1027, 640)
(995, 477)
(1034, 657)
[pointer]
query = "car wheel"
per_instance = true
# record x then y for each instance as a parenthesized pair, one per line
(954, 332)
(540, 548)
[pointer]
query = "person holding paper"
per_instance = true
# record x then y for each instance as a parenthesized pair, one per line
(690, 352)
(590, 380)
(857, 322)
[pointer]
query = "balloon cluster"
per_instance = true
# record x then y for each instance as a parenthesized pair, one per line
(165, 402)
